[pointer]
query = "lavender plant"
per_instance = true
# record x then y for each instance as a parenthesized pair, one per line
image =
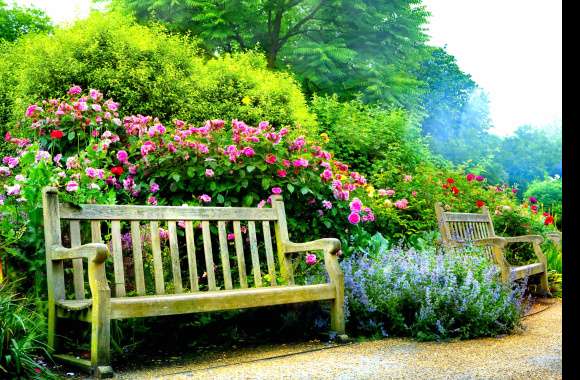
(427, 294)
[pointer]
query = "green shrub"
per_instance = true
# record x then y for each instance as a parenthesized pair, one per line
(148, 72)
(21, 335)
(426, 294)
(549, 193)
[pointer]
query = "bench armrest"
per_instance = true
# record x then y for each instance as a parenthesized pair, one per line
(329, 245)
(97, 252)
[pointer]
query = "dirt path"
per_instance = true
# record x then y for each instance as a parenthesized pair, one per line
(535, 353)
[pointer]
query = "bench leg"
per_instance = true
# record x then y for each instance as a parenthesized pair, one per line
(544, 287)
(51, 334)
(100, 343)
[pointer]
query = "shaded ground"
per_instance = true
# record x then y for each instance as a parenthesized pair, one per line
(534, 353)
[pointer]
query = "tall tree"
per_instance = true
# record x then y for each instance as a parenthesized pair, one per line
(16, 21)
(335, 46)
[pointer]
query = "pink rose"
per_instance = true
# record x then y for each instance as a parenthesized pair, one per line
(310, 259)
(276, 190)
(355, 205)
(354, 218)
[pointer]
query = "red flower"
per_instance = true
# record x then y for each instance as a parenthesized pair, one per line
(56, 134)
(480, 203)
(549, 220)
(470, 177)
(117, 170)
(455, 190)
(546, 214)
(446, 186)
(450, 180)
(534, 209)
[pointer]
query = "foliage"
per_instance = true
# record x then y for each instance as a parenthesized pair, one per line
(336, 46)
(148, 72)
(427, 295)
(378, 139)
(17, 21)
(548, 192)
(21, 334)
(91, 153)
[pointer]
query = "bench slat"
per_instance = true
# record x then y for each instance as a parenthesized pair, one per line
(96, 231)
(118, 258)
(465, 217)
(269, 252)
(209, 270)
(225, 255)
(78, 272)
(162, 213)
(138, 257)
(157, 261)
(255, 256)
(130, 307)
(174, 250)
(240, 254)
(191, 259)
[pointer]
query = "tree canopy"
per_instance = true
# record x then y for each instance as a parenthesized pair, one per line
(16, 21)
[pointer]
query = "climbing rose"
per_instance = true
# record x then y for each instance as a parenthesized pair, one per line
(354, 218)
(56, 134)
(533, 200)
(480, 203)
(470, 177)
(355, 205)
(117, 170)
(122, 156)
(276, 190)
(72, 186)
(310, 259)
(205, 198)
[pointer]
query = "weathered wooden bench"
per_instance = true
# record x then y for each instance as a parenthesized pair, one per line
(458, 229)
(213, 291)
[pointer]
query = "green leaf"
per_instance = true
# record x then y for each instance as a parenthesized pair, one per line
(176, 177)
(247, 201)
(266, 183)
(212, 186)
(71, 135)
(290, 188)
(305, 190)
(250, 168)
(220, 198)
(191, 172)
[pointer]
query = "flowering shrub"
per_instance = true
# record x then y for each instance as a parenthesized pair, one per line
(99, 156)
(427, 295)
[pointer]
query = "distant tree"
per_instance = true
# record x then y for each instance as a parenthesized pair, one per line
(334, 46)
(16, 21)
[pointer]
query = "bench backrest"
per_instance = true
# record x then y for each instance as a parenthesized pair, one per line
(169, 249)
(462, 227)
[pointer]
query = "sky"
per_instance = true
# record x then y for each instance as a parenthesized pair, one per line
(511, 48)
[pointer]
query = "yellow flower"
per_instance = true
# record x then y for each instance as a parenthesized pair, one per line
(325, 137)
(388, 203)
(370, 190)
(246, 100)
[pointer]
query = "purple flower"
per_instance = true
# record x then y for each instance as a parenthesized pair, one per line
(4, 171)
(75, 90)
(122, 156)
(153, 188)
(533, 200)
(355, 205)
(12, 162)
(479, 178)
(276, 190)
(209, 173)
(91, 172)
(205, 198)
(42, 155)
(248, 151)
(152, 200)
(327, 205)
(13, 190)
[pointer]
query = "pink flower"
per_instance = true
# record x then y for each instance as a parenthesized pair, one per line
(122, 156)
(111, 105)
(327, 205)
(261, 204)
(147, 147)
(12, 162)
(153, 188)
(13, 190)
(276, 190)
(281, 173)
(310, 259)
(479, 178)
(31, 110)
(231, 236)
(402, 203)
(354, 218)
(205, 198)
(326, 175)
(414, 193)
(356, 205)
(4, 171)
(164, 234)
(91, 172)
(407, 178)
(209, 173)
(271, 159)
(74, 90)
(152, 200)
(72, 186)
(514, 191)
(470, 177)
(301, 162)
(248, 151)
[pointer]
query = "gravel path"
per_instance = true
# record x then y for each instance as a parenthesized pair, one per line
(535, 353)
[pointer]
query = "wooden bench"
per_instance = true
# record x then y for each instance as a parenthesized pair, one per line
(213, 291)
(458, 229)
